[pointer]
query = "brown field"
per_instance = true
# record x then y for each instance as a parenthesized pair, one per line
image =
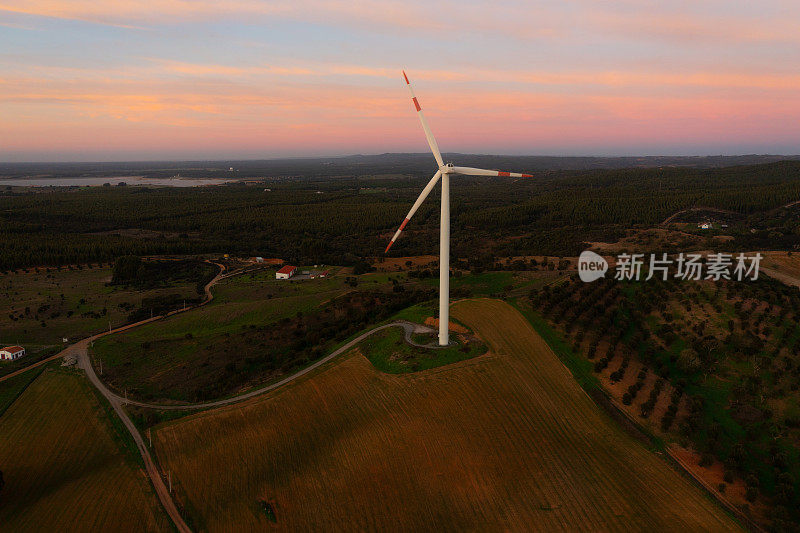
(397, 264)
(653, 239)
(63, 469)
(783, 263)
(505, 441)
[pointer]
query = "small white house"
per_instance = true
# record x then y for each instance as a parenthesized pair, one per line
(286, 272)
(9, 353)
(704, 225)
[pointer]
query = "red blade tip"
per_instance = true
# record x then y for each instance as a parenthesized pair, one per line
(406, 78)
(390, 245)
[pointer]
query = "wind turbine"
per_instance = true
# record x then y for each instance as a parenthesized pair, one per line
(444, 172)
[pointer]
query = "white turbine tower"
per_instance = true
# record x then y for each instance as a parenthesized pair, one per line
(444, 172)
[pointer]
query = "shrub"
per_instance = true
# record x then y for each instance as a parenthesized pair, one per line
(627, 398)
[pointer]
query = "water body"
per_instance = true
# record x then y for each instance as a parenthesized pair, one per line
(115, 180)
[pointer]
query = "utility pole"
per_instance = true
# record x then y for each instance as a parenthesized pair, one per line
(150, 437)
(169, 476)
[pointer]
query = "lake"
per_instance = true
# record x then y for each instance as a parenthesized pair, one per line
(113, 180)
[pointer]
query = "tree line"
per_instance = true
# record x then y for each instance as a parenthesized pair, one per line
(345, 220)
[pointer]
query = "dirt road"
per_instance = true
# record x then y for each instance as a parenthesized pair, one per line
(79, 350)
(408, 327)
(69, 349)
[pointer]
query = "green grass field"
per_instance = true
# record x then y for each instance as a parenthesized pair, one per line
(41, 307)
(389, 352)
(66, 468)
(143, 358)
(177, 358)
(13, 387)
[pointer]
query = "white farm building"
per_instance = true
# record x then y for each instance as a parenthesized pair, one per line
(9, 353)
(286, 272)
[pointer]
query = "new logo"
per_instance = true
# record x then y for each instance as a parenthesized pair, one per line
(591, 266)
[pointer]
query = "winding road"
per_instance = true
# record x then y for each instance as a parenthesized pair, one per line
(719, 211)
(80, 352)
(408, 327)
(71, 348)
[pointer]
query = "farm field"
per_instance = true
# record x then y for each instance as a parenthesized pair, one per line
(504, 441)
(64, 467)
(254, 330)
(40, 307)
(709, 368)
(783, 263)
(13, 387)
(155, 357)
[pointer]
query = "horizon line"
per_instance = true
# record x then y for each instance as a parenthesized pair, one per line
(344, 156)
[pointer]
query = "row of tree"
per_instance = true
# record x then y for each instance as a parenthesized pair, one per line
(344, 220)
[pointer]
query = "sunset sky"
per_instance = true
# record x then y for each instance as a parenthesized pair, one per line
(194, 79)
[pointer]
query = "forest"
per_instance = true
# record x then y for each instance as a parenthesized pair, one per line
(343, 220)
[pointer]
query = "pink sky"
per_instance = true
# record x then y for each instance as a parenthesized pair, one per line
(248, 79)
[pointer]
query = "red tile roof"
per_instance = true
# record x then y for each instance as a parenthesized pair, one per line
(13, 349)
(287, 269)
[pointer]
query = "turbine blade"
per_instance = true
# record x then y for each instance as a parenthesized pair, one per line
(467, 171)
(424, 194)
(428, 134)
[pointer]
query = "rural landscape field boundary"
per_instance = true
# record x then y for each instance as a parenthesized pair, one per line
(408, 327)
(601, 397)
(117, 402)
(69, 349)
(526, 355)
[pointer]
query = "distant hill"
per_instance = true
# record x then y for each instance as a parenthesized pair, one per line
(357, 165)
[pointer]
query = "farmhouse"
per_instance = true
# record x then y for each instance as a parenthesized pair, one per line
(286, 272)
(10, 353)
